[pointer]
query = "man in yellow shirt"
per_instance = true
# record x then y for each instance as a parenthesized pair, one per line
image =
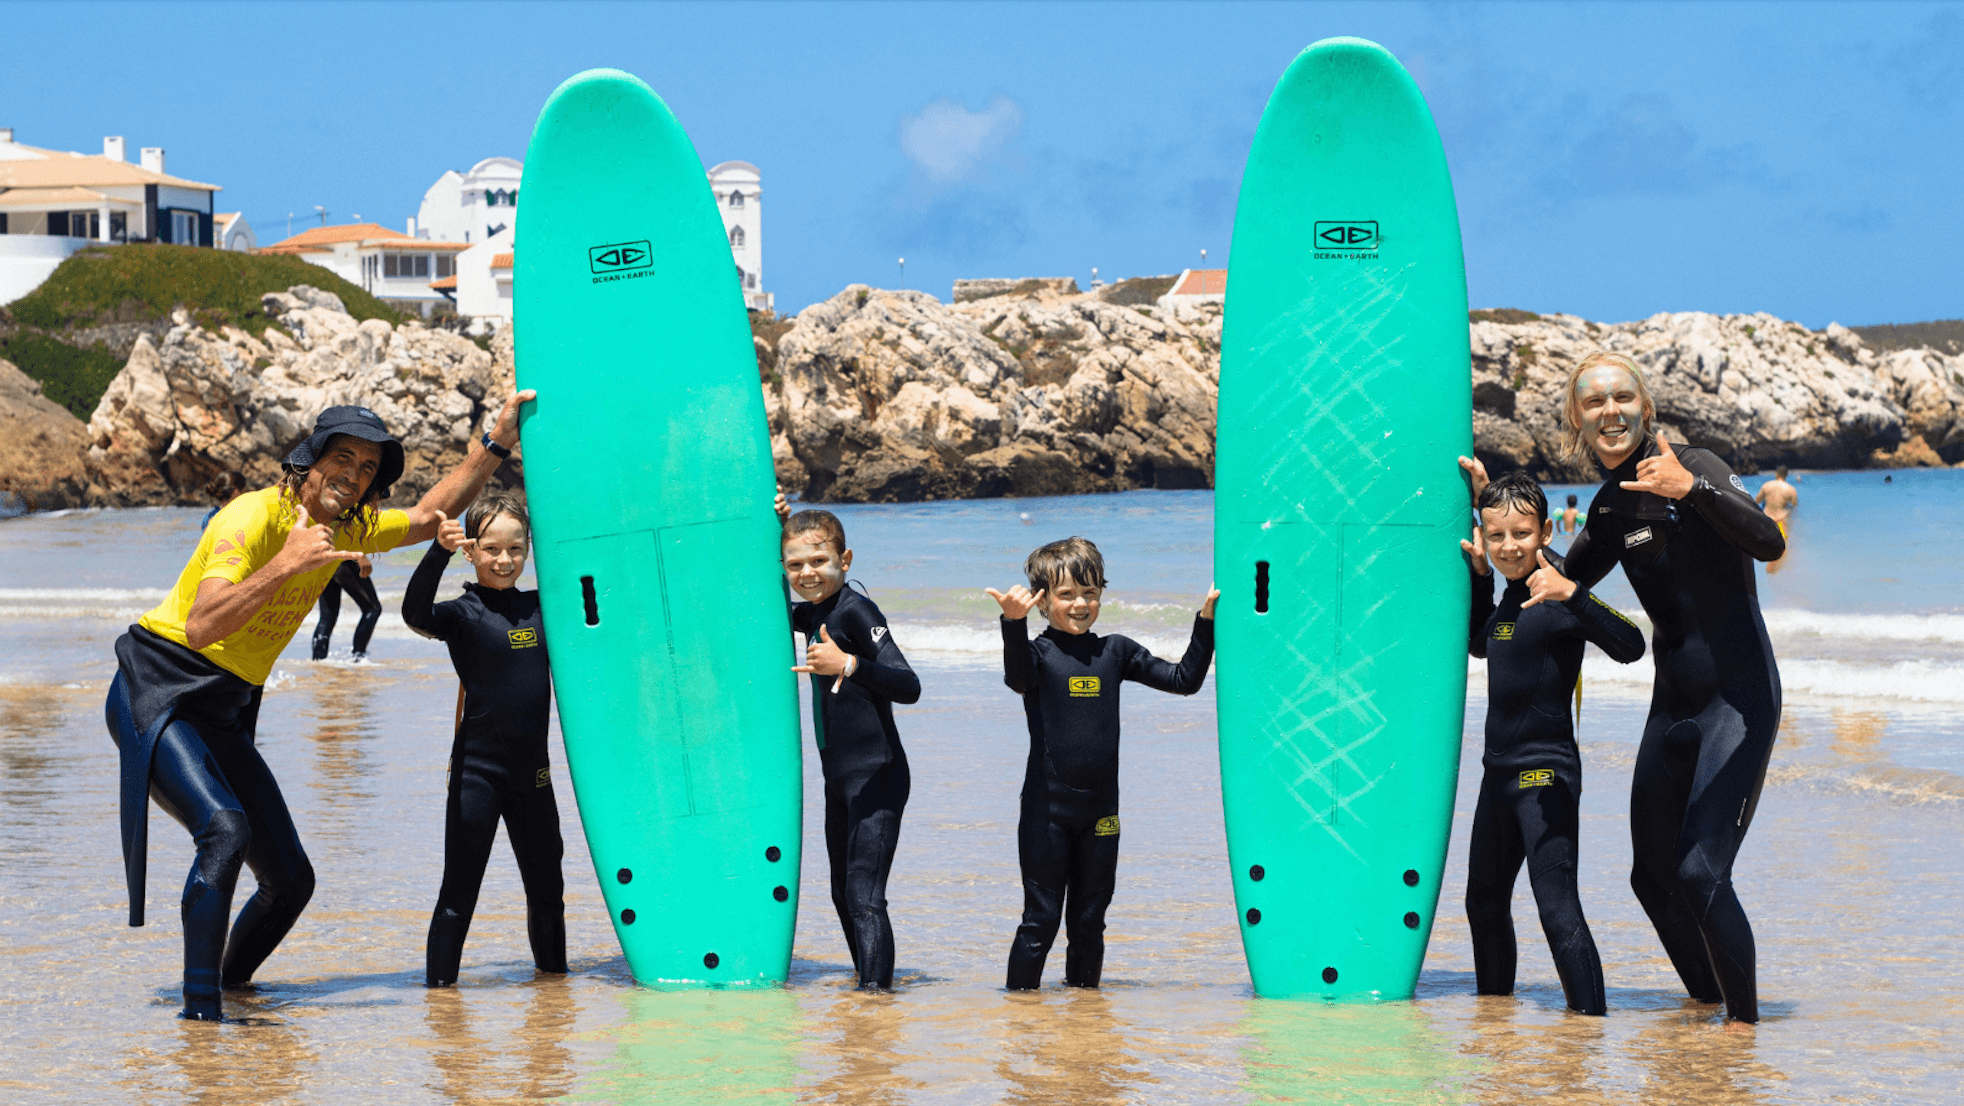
(184, 706)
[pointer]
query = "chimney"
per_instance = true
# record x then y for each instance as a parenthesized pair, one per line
(412, 226)
(112, 148)
(6, 134)
(153, 158)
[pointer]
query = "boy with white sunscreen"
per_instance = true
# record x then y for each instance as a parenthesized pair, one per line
(1527, 811)
(857, 674)
(498, 763)
(1069, 677)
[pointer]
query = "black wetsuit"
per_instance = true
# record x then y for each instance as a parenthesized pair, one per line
(196, 722)
(347, 578)
(1713, 713)
(1533, 780)
(498, 765)
(866, 775)
(1067, 835)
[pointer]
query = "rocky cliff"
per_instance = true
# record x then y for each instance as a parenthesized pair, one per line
(881, 396)
(198, 402)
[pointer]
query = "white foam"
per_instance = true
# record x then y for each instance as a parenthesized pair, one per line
(1868, 627)
(81, 595)
(1917, 681)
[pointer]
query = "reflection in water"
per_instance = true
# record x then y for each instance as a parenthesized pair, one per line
(30, 716)
(1697, 1059)
(1067, 1046)
(530, 1065)
(713, 1047)
(1858, 734)
(861, 1033)
(217, 1065)
(343, 726)
(1536, 1052)
(1378, 1053)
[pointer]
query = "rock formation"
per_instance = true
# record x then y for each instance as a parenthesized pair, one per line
(196, 403)
(894, 396)
(41, 448)
(879, 396)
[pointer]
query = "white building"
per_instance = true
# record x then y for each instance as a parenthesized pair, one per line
(473, 206)
(1195, 287)
(740, 198)
(230, 231)
(387, 264)
(54, 203)
(480, 208)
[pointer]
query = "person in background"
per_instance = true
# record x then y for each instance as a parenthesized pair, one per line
(352, 578)
(222, 489)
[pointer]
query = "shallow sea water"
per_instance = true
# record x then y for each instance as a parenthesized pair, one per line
(1852, 874)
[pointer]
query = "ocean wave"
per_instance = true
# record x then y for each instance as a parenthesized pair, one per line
(951, 640)
(1919, 681)
(81, 595)
(1868, 627)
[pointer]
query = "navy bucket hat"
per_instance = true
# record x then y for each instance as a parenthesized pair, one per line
(356, 422)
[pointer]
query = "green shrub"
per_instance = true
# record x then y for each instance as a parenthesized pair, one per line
(144, 281)
(70, 375)
(1503, 315)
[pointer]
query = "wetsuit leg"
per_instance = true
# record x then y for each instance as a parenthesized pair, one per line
(278, 861)
(1043, 848)
(330, 610)
(1660, 789)
(187, 784)
(1094, 873)
(873, 814)
(1731, 767)
(362, 590)
(838, 832)
(1549, 826)
(470, 823)
(532, 826)
(1494, 856)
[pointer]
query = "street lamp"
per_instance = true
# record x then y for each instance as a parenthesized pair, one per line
(903, 272)
(1203, 259)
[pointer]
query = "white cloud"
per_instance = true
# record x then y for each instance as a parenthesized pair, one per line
(948, 141)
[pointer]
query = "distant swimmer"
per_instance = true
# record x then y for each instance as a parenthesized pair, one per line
(184, 706)
(1778, 498)
(1565, 522)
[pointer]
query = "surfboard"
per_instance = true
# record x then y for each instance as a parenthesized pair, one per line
(648, 475)
(1339, 505)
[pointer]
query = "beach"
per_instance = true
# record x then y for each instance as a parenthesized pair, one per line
(1851, 874)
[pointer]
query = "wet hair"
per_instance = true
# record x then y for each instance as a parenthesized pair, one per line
(1780, 472)
(1571, 499)
(489, 507)
(1572, 448)
(361, 517)
(823, 523)
(225, 487)
(1073, 559)
(1516, 491)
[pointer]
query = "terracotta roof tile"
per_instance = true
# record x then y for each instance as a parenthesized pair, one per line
(447, 284)
(347, 232)
(55, 169)
(1203, 282)
(501, 260)
(88, 196)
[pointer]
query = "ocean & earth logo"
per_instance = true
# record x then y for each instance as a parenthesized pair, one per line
(1347, 238)
(620, 261)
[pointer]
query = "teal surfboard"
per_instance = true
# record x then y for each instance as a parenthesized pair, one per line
(648, 473)
(1339, 505)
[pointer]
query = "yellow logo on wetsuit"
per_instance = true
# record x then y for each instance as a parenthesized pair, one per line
(1503, 631)
(523, 638)
(1538, 777)
(1106, 827)
(545, 778)
(1085, 687)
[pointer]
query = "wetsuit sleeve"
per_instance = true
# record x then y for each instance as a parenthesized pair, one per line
(1729, 509)
(1589, 559)
(1184, 678)
(1605, 626)
(419, 608)
(1019, 669)
(885, 673)
(1476, 630)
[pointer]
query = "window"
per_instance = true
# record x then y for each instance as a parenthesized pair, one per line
(736, 199)
(184, 228)
(119, 226)
(405, 265)
(446, 265)
(736, 238)
(752, 277)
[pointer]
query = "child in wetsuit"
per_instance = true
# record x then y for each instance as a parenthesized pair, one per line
(1069, 677)
(857, 675)
(498, 766)
(1527, 810)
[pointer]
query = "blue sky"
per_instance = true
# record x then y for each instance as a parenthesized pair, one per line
(1611, 160)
